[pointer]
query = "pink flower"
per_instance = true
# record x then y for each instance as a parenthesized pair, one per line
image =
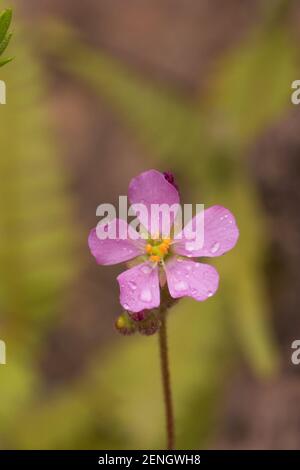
(164, 259)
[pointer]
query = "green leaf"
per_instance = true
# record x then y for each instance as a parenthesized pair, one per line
(4, 43)
(5, 36)
(5, 61)
(5, 21)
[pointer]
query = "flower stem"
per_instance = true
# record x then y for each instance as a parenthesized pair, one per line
(165, 371)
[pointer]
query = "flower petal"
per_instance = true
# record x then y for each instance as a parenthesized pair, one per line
(152, 187)
(139, 288)
(149, 188)
(115, 250)
(220, 234)
(191, 279)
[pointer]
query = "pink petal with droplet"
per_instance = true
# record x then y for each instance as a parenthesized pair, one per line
(220, 234)
(139, 287)
(191, 279)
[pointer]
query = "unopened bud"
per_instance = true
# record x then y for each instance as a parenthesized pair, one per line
(124, 325)
(150, 325)
(170, 178)
(139, 316)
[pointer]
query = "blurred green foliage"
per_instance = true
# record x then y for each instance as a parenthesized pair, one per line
(5, 35)
(36, 236)
(117, 402)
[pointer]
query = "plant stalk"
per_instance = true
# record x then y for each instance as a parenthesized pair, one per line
(165, 371)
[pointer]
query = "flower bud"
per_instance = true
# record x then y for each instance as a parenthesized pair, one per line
(150, 325)
(139, 316)
(170, 178)
(124, 325)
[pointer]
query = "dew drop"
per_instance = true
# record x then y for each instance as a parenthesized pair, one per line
(189, 247)
(126, 306)
(146, 295)
(146, 269)
(215, 247)
(209, 293)
(132, 285)
(181, 286)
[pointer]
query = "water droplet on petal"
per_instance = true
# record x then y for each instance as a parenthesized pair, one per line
(132, 285)
(189, 246)
(126, 306)
(209, 293)
(146, 295)
(181, 286)
(146, 269)
(215, 247)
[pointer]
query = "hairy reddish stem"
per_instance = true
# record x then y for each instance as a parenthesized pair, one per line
(165, 371)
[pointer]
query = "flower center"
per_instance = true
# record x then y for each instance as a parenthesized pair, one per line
(157, 250)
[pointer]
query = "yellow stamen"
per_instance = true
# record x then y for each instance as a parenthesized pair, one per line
(157, 251)
(155, 258)
(163, 249)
